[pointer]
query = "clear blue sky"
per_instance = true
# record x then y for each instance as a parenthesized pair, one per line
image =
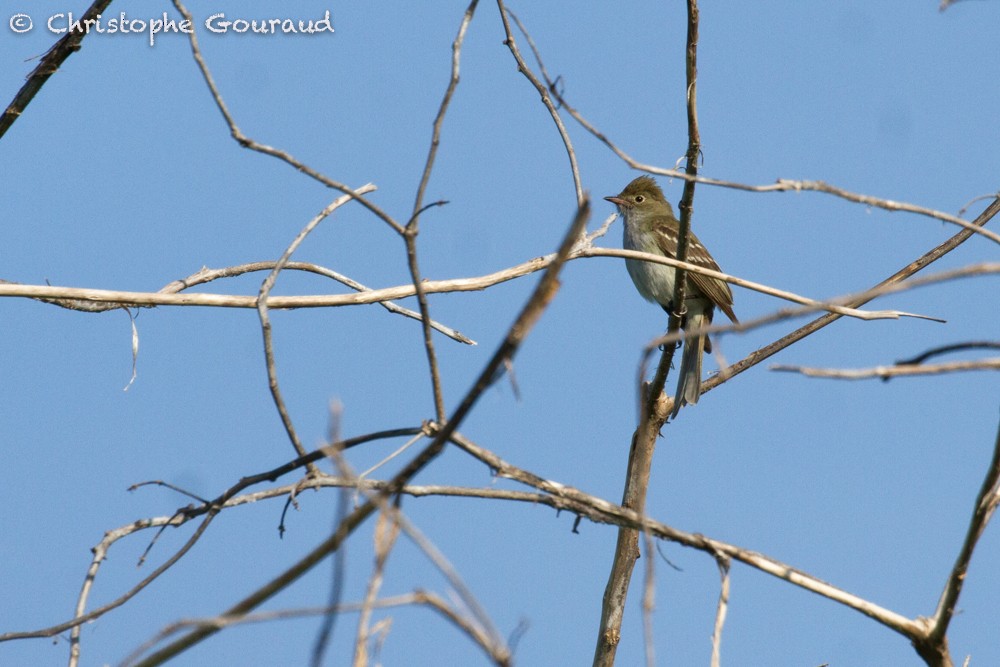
(121, 175)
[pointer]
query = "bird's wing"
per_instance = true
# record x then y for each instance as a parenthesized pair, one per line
(717, 291)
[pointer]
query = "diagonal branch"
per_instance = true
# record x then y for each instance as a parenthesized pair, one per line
(67, 45)
(935, 641)
(539, 300)
(598, 510)
(899, 276)
(781, 185)
(417, 598)
(816, 304)
(209, 510)
(543, 93)
(945, 349)
(247, 142)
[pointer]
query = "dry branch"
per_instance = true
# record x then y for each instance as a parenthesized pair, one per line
(886, 372)
(67, 45)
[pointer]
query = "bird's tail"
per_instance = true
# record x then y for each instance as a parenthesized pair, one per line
(689, 378)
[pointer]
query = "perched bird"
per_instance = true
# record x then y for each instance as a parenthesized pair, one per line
(650, 226)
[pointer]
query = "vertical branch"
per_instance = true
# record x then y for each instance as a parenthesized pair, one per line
(723, 562)
(413, 226)
(653, 411)
(410, 238)
(386, 532)
(324, 633)
(456, 54)
(649, 599)
(339, 570)
(686, 205)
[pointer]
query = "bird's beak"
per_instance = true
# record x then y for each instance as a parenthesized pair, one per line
(617, 201)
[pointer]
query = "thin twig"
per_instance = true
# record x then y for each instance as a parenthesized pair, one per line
(249, 143)
(543, 93)
(945, 349)
(781, 185)
(386, 532)
(265, 319)
(416, 598)
(720, 610)
(413, 225)
(815, 304)
(913, 267)
(206, 275)
(80, 618)
(208, 510)
(886, 372)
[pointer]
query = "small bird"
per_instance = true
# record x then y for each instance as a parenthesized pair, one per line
(650, 226)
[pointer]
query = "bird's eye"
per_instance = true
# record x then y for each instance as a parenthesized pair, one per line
(639, 199)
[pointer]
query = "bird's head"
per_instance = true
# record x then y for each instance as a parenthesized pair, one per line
(642, 196)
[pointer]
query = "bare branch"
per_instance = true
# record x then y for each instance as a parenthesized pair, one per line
(781, 185)
(523, 68)
(476, 283)
(265, 319)
(935, 642)
(386, 532)
(720, 612)
(417, 598)
(886, 372)
(945, 349)
(601, 511)
(651, 415)
(249, 143)
(67, 45)
(814, 304)
(413, 226)
(206, 275)
(913, 267)
(532, 310)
